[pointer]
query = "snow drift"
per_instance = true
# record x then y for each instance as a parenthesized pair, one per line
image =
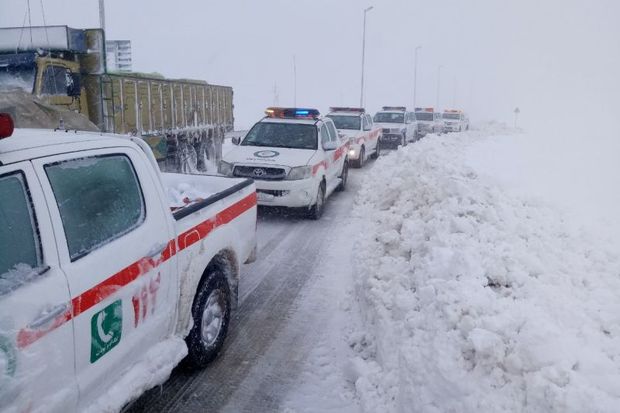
(479, 300)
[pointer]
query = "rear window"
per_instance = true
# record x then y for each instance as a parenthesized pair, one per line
(389, 117)
(425, 116)
(20, 253)
(346, 122)
(99, 199)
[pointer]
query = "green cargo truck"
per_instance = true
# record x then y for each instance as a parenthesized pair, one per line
(183, 120)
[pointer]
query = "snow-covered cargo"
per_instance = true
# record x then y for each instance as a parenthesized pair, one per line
(184, 121)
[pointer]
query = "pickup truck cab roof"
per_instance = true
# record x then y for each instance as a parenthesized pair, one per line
(26, 144)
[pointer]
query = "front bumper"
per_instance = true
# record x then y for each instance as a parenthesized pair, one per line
(292, 194)
(388, 140)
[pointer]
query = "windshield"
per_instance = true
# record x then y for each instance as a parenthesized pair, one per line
(346, 122)
(282, 135)
(456, 116)
(390, 117)
(12, 78)
(424, 116)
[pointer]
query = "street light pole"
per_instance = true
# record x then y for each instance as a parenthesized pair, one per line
(415, 75)
(366, 10)
(438, 85)
(102, 14)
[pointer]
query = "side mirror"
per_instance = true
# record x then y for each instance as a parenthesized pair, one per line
(330, 146)
(367, 128)
(236, 140)
(74, 85)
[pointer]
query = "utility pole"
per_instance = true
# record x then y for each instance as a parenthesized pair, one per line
(295, 82)
(366, 10)
(517, 111)
(102, 15)
(415, 75)
(276, 96)
(456, 83)
(438, 86)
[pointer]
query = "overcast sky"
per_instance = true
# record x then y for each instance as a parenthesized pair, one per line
(558, 60)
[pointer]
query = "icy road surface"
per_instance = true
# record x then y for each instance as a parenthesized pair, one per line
(287, 349)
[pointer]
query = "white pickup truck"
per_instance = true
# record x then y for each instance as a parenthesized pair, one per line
(296, 157)
(356, 124)
(103, 288)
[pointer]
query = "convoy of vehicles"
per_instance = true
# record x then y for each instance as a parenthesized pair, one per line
(357, 126)
(429, 121)
(101, 272)
(398, 126)
(296, 157)
(98, 277)
(455, 120)
(184, 121)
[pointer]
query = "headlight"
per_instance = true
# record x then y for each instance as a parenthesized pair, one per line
(299, 172)
(225, 168)
(352, 152)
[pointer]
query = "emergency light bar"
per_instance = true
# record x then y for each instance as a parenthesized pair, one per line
(6, 125)
(344, 109)
(452, 111)
(292, 113)
(425, 110)
(395, 108)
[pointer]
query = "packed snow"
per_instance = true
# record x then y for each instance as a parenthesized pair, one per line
(184, 194)
(477, 296)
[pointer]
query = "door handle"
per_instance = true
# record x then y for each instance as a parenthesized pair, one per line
(48, 316)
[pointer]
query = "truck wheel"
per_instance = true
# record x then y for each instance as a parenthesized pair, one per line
(316, 211)
(377, 152)
(187, 159)
(211, 314)
(344, 176)
(360, 160)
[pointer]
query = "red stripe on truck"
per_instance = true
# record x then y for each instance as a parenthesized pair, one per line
(103, 290)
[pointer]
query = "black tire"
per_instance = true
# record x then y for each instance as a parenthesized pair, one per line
(205, 340)
(344, 176)
(360, 162)
(316, 211)
(377, 152)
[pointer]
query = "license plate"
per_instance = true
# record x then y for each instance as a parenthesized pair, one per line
(261, 196)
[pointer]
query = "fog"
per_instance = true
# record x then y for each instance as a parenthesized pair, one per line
(557, 60)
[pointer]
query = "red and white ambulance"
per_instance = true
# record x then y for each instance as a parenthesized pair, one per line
(357, 125)
(295, 156)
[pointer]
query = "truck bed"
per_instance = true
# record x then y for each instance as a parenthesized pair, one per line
(189, 193)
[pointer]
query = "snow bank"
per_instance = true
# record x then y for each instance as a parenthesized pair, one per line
(479, 300)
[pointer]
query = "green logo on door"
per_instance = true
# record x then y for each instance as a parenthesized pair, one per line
(105, 330)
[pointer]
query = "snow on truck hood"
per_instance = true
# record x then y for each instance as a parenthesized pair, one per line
(269, 156)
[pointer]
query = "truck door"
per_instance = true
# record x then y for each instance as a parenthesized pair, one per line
(338, 156)
(117, 251)
(36, 330)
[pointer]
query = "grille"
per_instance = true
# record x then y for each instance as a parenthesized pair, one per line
(272, 192)
(260, 173)
(386, 131)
